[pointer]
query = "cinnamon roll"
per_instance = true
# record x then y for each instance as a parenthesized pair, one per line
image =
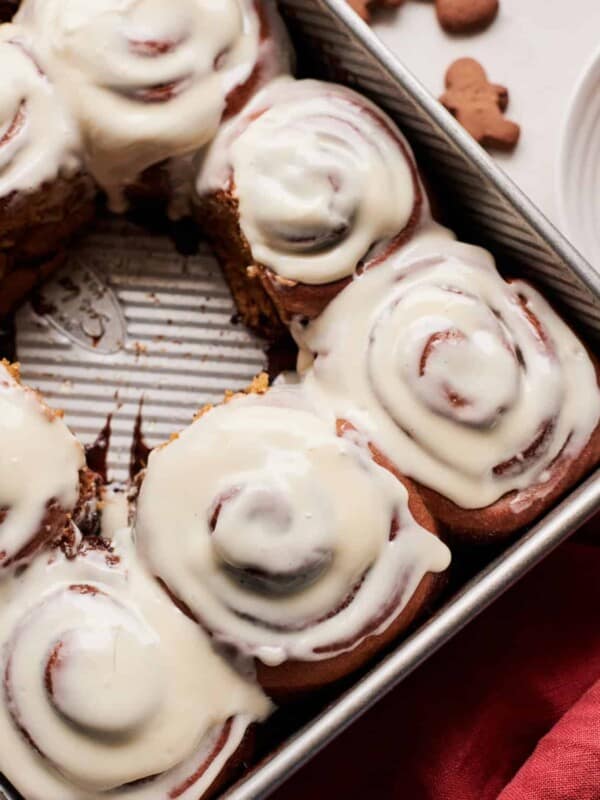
(45, 197)
(149, 80)
(471, 385)
(285, 539)
(310, 184)
(107, 690)
(46, 492)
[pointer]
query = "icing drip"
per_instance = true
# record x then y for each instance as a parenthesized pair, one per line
(283, 538)
(147, 80)
(321, 176)
(38, 141)
(471, 385)
(109, 690)
(40, 462)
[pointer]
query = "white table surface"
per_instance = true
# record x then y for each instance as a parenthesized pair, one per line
(537, 48)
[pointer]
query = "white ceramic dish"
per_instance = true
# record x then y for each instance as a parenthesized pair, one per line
(578, 183)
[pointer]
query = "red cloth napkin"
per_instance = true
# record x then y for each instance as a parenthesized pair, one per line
(509, 710)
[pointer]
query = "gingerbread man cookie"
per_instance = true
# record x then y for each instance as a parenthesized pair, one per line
(479, 105)
(363, 7)
(466, 16)
(455, 16)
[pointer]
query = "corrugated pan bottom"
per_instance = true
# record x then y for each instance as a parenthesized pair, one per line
(130, 321)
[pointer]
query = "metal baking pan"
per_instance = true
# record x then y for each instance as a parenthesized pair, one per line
(141, 332)
(492, 211)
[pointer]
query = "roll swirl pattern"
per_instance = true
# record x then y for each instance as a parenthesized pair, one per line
(471, 385)
(40, 471)
(108, 690)
(149, 80)
(281, 537)
(324, 180)
(38, 139)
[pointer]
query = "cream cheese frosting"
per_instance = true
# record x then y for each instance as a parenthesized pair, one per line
(470, 385)
(38, 139)
(147, 80)
(278, 534)
(40, 462)
(321, 176)
(109, 690)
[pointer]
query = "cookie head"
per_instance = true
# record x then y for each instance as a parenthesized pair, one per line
(466, 16)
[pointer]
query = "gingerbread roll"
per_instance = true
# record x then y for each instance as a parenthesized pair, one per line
(286, 540)
(471, 385)
(45, 196)
(46, 492)
(310, 184)
(150, 81)
(108, 690)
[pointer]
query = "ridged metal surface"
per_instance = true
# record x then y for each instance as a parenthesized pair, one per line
(159, 332)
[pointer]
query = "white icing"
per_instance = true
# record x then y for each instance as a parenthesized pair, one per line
(449, 417)
(321, 175)
(263, 521)
(135, 690)
(148, 80)
(40, 462)
(115, 510)
(38, 140)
